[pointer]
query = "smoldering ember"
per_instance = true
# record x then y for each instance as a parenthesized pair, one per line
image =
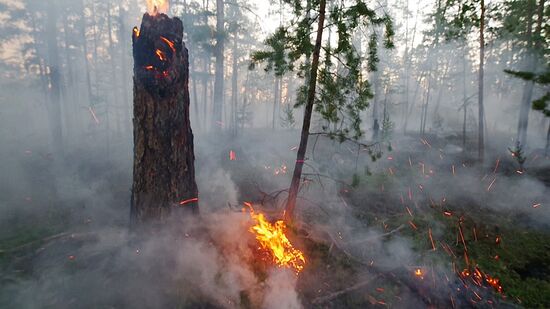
(274, 154)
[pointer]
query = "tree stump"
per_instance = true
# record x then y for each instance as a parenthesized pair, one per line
(164, 173)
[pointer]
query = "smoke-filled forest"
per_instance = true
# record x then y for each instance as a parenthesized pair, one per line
(274, 154)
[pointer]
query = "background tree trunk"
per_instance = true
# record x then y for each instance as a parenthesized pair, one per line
(234, 86)
(218, 83)
(481, 113)
(54, 91)
(532, 57)
(164, 173)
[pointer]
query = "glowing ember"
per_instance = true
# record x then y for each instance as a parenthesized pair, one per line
(494, 282)
(280, 170)
(478, 277)
(496, 166)
(418, 272)
(170, 43)
(491, 184)
(157, 6)
(232, 155)
(431, 238)
(272, 238)
(191, 200)
(136, 32)
(93, 114)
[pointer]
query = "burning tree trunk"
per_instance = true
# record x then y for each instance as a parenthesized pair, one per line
(164, 173)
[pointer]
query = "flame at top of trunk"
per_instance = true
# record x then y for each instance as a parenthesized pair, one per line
(155, 7)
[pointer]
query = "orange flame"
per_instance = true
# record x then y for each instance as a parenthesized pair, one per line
(273, 239)
(418, 272)
(157, 6)
(136, 32)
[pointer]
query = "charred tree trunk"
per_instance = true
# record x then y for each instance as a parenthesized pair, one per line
(164, 173)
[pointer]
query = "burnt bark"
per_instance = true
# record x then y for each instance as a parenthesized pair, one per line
(164, 173)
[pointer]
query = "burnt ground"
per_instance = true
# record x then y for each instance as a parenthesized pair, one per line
(45, 224)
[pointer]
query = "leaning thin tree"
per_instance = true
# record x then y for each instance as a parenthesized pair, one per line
(164, 173)
(339, 93)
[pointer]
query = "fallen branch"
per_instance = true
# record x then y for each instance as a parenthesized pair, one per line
(332, 296)
(37, 241)
(359, 241)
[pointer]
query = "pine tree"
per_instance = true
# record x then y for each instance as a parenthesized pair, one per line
(337, 95)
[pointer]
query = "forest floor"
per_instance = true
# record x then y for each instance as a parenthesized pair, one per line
(408, 229)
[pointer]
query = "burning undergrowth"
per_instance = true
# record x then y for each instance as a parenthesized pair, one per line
(414, 236)
(215, 261)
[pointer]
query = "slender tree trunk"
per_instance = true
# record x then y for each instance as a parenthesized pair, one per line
(219, 50)
(441, 86)
(407, 103)
(96, 44)
(54, 109)
(114, 81)
(481, 113)
(126, 106)
(464, 98)
(376, 102)
(205, 91)
(300, 157)
(276, 93)
(85, 51)
(425, 110)
(164, 173)
(196, 103)
(68, 106)
(234, 85)
(525, 106)
(547, 148)
(406, 60)
(206, 71)
(42, 71)
(532, 51)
